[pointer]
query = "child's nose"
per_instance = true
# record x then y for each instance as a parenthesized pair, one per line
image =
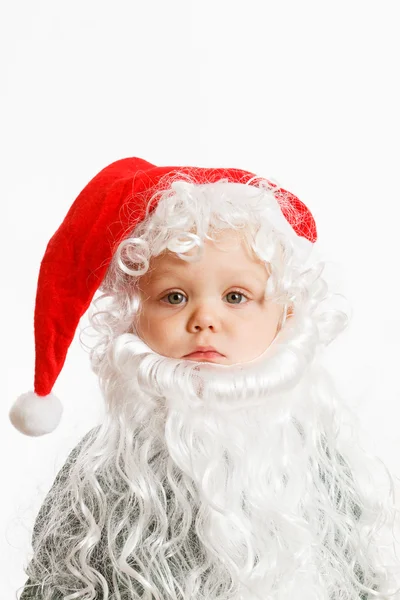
(204, 316)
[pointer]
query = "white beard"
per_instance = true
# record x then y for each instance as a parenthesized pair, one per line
(250, 469)
(255, 447)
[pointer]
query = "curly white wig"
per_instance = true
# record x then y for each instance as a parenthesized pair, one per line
(152, 505)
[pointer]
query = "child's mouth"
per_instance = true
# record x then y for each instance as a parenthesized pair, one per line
(204, 355)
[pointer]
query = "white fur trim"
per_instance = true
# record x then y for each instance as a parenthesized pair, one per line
(36, 415)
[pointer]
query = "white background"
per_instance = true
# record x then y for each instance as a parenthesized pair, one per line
(304, 92)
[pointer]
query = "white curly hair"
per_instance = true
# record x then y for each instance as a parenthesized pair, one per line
(207, 481)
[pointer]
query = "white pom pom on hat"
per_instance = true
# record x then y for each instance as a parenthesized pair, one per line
(36, 415)
(79, 253)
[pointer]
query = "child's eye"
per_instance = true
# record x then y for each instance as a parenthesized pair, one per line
(236, 293)
(175, 297)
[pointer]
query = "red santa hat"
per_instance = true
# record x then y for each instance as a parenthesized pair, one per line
(78, 255)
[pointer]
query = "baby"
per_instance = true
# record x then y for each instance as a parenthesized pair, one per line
(221, 470)
(226, 318)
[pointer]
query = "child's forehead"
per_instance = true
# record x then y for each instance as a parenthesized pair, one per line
(228, 253)
(222, 243)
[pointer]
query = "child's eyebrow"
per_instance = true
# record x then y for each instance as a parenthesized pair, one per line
(248, 276)
(159, 274)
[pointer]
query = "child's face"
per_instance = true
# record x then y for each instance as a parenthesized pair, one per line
(186, 305)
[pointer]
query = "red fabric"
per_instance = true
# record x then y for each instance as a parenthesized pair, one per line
(77, 256)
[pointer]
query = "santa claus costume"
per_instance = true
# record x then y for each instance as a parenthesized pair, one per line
(204, 481)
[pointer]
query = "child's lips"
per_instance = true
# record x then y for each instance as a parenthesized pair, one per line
(209, 354)
(204, 352)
